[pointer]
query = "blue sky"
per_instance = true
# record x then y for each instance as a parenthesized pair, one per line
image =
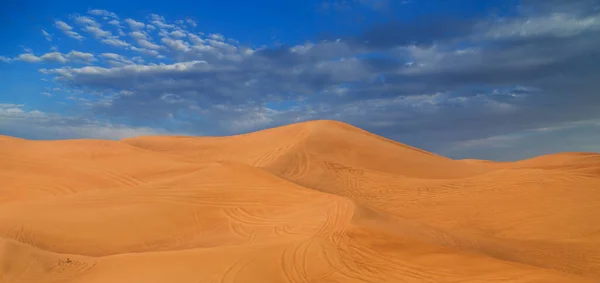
(498, 80)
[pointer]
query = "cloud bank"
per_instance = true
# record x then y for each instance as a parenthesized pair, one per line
(451, 86)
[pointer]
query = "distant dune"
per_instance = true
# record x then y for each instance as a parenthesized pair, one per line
(318, 201)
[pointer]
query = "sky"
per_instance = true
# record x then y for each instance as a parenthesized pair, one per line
(498, 80)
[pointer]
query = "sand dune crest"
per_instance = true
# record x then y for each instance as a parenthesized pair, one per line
(319, 201)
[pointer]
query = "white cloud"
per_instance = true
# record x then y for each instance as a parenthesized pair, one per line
(83, 20)
(16, 120)
(138, 35)
(115, 23)
(176, 44)
(178, 33)
(62, 25)
(67, 29)
(147, 44)
(148, 52)
(138, 59)
(196, 40)
(191, 22)
(565, 126)
(28, 57)
(160, 22)
(81, 56)
(12, 111)
(134, 25)
(105, 13)
(74, 56)
(116, 59)
(54, 56)
(171, 98)
(105, 36)
(221, 45)
(98, 32)
(138, 70)
(115, 42)
(217, 36)
(114, 63)
(5, 59)
(47, 35)
(558, 24)
(47, 94)
(113, 56)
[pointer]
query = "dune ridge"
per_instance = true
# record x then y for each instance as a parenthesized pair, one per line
(318, 201)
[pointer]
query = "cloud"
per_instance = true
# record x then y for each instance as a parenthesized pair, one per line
(447, 85)
(106, 37)
(556, 25)
(171, 98)
(138, 35)
(81, 56)
(98, 32)
(15, 120)
(115, 42)
(579, 136)
(87, 21)
(191, 22)
(178, 33)
(5, 59)
(48, 57)
(67, 29)
(104, 13)
(217, 36)
(112, 56)
(73, 56)
(47, 35)
(27, 57)
(176, 44)
(117, 60)
(145, 51)
(160, 22)
(135, 25)
(147, 44)
(53, 56)
(8, 111)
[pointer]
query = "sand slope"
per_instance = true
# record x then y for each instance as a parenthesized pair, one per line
(319, 201)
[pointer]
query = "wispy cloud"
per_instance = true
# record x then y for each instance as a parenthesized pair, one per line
(73, 56)
(18, 121)
(104, 13)
(67, 29)
(47, 35)
(134, 25)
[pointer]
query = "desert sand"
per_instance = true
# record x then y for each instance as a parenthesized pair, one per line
(319, 201)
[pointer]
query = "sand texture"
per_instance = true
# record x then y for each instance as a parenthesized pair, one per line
(318, 201)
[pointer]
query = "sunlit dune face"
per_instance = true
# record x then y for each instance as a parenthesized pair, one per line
(320, 201)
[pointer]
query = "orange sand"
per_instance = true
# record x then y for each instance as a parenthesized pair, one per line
(320, 201)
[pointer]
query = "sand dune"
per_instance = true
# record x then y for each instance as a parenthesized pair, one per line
(319, 201)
